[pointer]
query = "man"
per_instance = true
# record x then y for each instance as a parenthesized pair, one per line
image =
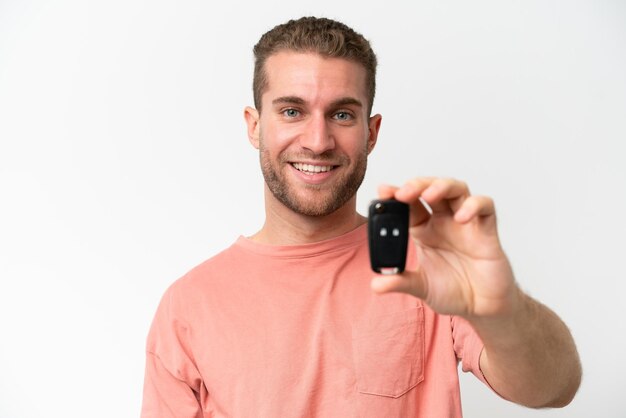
(291, 322)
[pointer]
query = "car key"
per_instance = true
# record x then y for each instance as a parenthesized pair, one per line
(388, 234)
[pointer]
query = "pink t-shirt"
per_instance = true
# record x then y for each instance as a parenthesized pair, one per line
(295, 331)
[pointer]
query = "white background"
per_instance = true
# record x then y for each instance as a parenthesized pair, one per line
(124, 162)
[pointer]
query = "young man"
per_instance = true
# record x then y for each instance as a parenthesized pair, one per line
(291, 322)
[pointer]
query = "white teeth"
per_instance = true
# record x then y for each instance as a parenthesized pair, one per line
(309, 168)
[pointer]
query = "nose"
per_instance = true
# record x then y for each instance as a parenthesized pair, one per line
(318, 137)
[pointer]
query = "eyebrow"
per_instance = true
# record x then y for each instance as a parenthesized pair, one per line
(288, 100)
(347, 101)
(344, 101)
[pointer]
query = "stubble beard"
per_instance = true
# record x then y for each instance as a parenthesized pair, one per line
(322, 199)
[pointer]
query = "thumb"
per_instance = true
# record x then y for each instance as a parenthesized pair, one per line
(411, 282)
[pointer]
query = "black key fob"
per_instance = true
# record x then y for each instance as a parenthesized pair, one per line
(388, 233)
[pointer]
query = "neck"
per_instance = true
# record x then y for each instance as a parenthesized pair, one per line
(285, 227)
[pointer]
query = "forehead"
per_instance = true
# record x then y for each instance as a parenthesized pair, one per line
(313, 77)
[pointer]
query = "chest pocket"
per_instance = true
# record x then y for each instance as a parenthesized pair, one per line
(389, 353)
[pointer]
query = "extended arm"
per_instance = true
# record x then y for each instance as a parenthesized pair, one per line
(529, 356)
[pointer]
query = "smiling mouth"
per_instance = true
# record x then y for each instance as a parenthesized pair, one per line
(313, 169)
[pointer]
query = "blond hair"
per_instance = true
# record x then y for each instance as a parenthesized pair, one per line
(323, 36)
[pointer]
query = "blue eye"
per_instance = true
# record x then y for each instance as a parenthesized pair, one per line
(291, 113)
(343, 116)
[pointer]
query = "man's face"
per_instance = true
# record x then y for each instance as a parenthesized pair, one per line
(314, 133)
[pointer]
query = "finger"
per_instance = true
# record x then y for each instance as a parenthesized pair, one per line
(419, 213)
(446, 195)
(410, 193)
(440, 194)
(473, 207)
(386, 191)
(411, 282)
(413, 189)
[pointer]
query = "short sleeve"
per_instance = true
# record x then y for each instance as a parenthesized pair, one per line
(467, 347)
(172, 383)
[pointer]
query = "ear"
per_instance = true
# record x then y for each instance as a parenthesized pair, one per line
(374, 127)
(251, 116)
